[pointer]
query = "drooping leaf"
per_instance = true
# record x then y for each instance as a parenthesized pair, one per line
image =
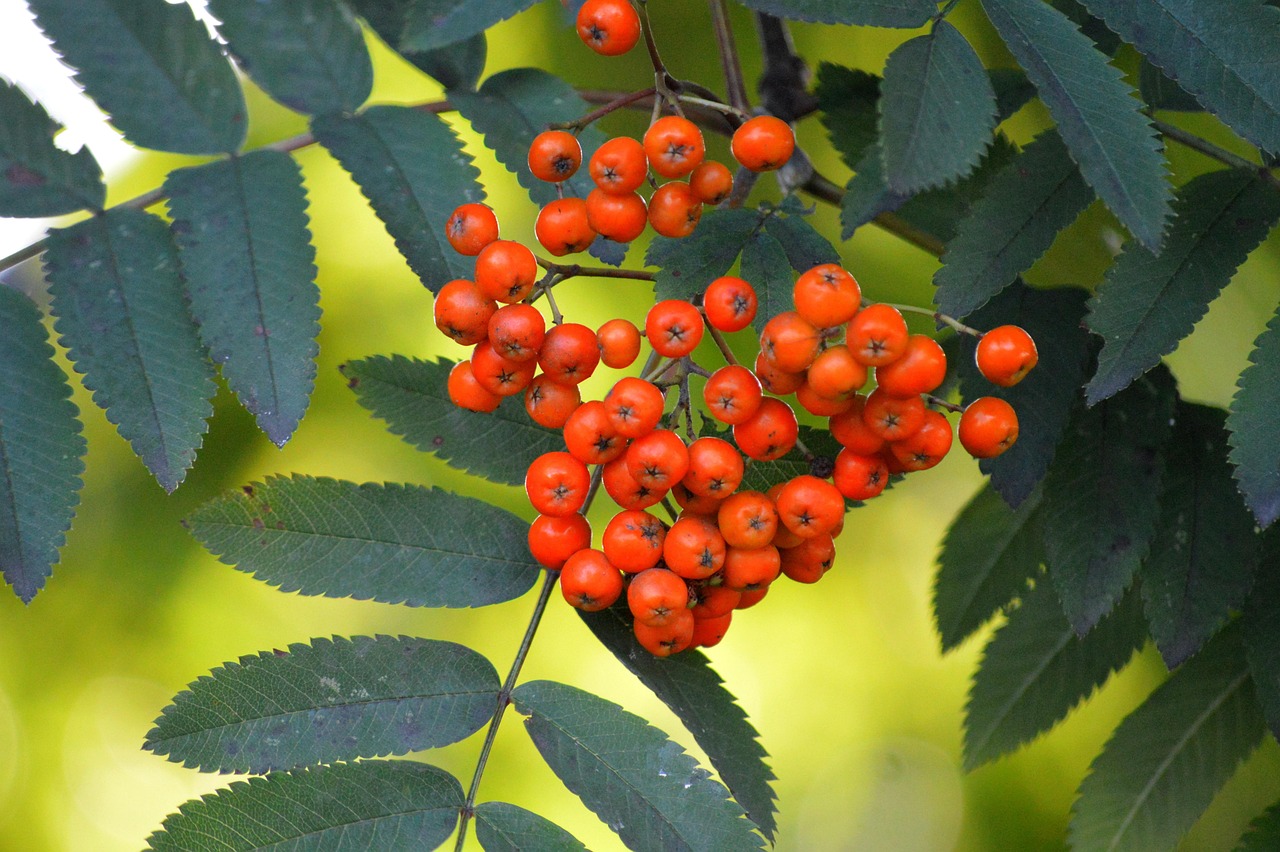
(904, 14)
(805, 247)
(1044, 399)
(1219, 52)
(516, 105)
(1101, 497)
(688, 685)
(241, 229)
(153, 68)
(36, 177)
(414, 172)
(41, 449)
(437, 23)
(389, 543)
(1096, 113)
(307, 54)
(987, 557)
(332, 700)
(1168, 758)
(122, 315)
(1149, 302)
(501, 827)
(1255, 429)
(937, 111)
(643, 785)
(687, 265)
(1162, 93)
(1035, 669)
(412, 397)
(1261, 629)
(847, 101)
(1264, 832)
(765, 266)
(374, 804)
(1033, 198)
(1204, 552)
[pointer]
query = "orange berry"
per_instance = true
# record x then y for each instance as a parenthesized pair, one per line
(732, 394)
(470, 228)
(569, 354)
(789, 343)
(747, 519)
(609, 27)
(729, 303)
(1005, 355)
(556, 483)
(715, 468)
(554, 538)
(659, 459)
(462, 312)
(616, 216)
(988, 427)
(860, 477)
(623, 489)
(674, 210)
(670, 638)
(619, 343)
(763, 143)
(893, 417)
(634, 406)
(927, 446)
(517, 332)
(920, 369)
(674, 146)
(466, 392)
(674, 328)
(748, 570)
(562, 227)
(711, 181)
(656, 596)
(877, 335)
(500, 375)
(768, 434)
(554, 155)
(619, 165)
(827, 295)
(549, 402)
(809, 506)
(694, 548)
(588, 582)
(835, 373)
(590, 435)
(506, 271)
(633, 540)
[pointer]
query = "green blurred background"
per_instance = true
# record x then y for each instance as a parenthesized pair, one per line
(860, 712)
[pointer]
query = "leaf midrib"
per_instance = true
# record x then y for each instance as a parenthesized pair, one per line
(1027, 682)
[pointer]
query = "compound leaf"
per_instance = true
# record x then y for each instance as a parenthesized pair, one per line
(414, 172)
(688, 685)
(1261, 629)
(412, 397)
(153, 68)
(1101, 496)
(1168, 758)
(1044, 399)
(1219, 52)
(643, 785)
(1029, 201)
(1097, 115)
(501, 827)
(437, 23)
(332, 700)
(122, 315)
(937, 111)
(687, 265)
(1035, 669)
(903, 14)
(516, 105)
(1204, 552)
(241, 229)
(389, 543)
(765, 266)
(373, 804)
(41, 449)
(847, 100)
(455, 66)
(987, 557)
(307, 54)
(1151, 301)
(805, 247)
(1255, 429)
(37, 178)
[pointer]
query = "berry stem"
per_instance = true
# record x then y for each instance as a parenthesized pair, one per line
(1204, 146)
(734, 111)
(663, 83)
(938, 316)
(572, 270)
(734, 83)
(596, 114)
(939, 402)
(722, 345)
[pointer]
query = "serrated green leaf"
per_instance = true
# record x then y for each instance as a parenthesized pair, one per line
(412, 397)
(761, 476)
(374, 804)
(765, 266)
(903, 14)
(1264, 832)
(1035, 669)
(458, 66)
(1219, 52)
(1255, 429)
(37, 178)
(1013, 90)
(847, 100)
(414, 172)
(1097, 116)
(1168, 758)
(1149, 302)
(1044, 399)
(687, 265)
(389, 543)
(1204, 552)
(41, 449)
(805, 247)
(153, 69)
(987, 557)
(307, 54)
(332, 700)
(1162, 93)
(122, 314)
(687, 684)
(1104, 39)
(514, 106)
(1261, 629)
(1101, 496)
(866, 195)
(937, 111)
(501, 827)
(436, 23)
(643, 785)
(1028, 202)
(241, 229)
